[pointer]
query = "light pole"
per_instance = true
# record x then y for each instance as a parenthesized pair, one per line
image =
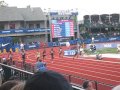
(90, 23)
(47, 13)
(78, 31)
(45, 26)
(109, 25)
(49, 17)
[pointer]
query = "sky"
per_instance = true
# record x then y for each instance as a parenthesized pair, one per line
(85, 7)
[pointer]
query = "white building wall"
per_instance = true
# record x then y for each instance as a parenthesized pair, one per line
(17, 25)
(42, 25)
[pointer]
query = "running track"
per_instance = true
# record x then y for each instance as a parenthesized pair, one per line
(106, 70)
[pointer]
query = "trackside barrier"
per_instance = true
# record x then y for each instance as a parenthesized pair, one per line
(74, 80)
(24, 75)
(69, 52)
(6, 43)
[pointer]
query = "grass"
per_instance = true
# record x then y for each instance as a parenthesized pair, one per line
(103, 51)
(108, 50)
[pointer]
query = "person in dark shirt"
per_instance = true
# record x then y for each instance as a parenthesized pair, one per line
(23, 57)
(7, 71)
(44, 54)
(52, 54)
(10, 57)
(94, 48)
(60, 52)
(76, 53)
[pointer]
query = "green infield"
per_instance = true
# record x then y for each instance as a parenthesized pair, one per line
(103, 51)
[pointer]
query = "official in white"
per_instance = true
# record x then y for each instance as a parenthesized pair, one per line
(67, 44)
(118, 48)
(21, 46)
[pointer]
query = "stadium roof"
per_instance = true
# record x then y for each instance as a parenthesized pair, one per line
(21, 14)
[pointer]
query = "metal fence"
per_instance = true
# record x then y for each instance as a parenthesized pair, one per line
(26, 72)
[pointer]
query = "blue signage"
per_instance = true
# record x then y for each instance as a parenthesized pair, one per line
(104, 45)
(19, 31)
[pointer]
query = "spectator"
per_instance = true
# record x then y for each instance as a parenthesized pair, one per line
(87, 85)
(19, 86)
(8, 85)
(7, 71)
(40, 66)
(23, 57)
(47, 80)
(10, 56)
(4, 60)
(116, 88)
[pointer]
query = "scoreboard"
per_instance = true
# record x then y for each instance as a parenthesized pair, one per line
(62, 28)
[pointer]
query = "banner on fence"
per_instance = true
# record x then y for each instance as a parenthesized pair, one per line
(104, 45)
(69, 52)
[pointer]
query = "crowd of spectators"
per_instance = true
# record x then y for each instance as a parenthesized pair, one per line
(44, 80)
(87, 35)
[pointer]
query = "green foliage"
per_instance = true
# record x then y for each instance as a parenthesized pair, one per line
(3, 3)
(16, 39)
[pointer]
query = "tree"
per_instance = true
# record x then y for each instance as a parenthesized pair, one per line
(3, 4)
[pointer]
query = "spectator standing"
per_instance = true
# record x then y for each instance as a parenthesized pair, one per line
(10, 56)
(7, 71)
(40, 66)
(87, 85)
(23, 57)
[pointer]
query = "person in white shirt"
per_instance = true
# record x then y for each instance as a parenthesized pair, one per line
(93, 39)
(68, 44)
(118, 49)
(21, 46)
(4, 59)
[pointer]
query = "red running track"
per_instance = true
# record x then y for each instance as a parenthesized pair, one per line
(106, 70)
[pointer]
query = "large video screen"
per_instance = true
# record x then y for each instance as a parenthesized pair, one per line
(62, 28)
